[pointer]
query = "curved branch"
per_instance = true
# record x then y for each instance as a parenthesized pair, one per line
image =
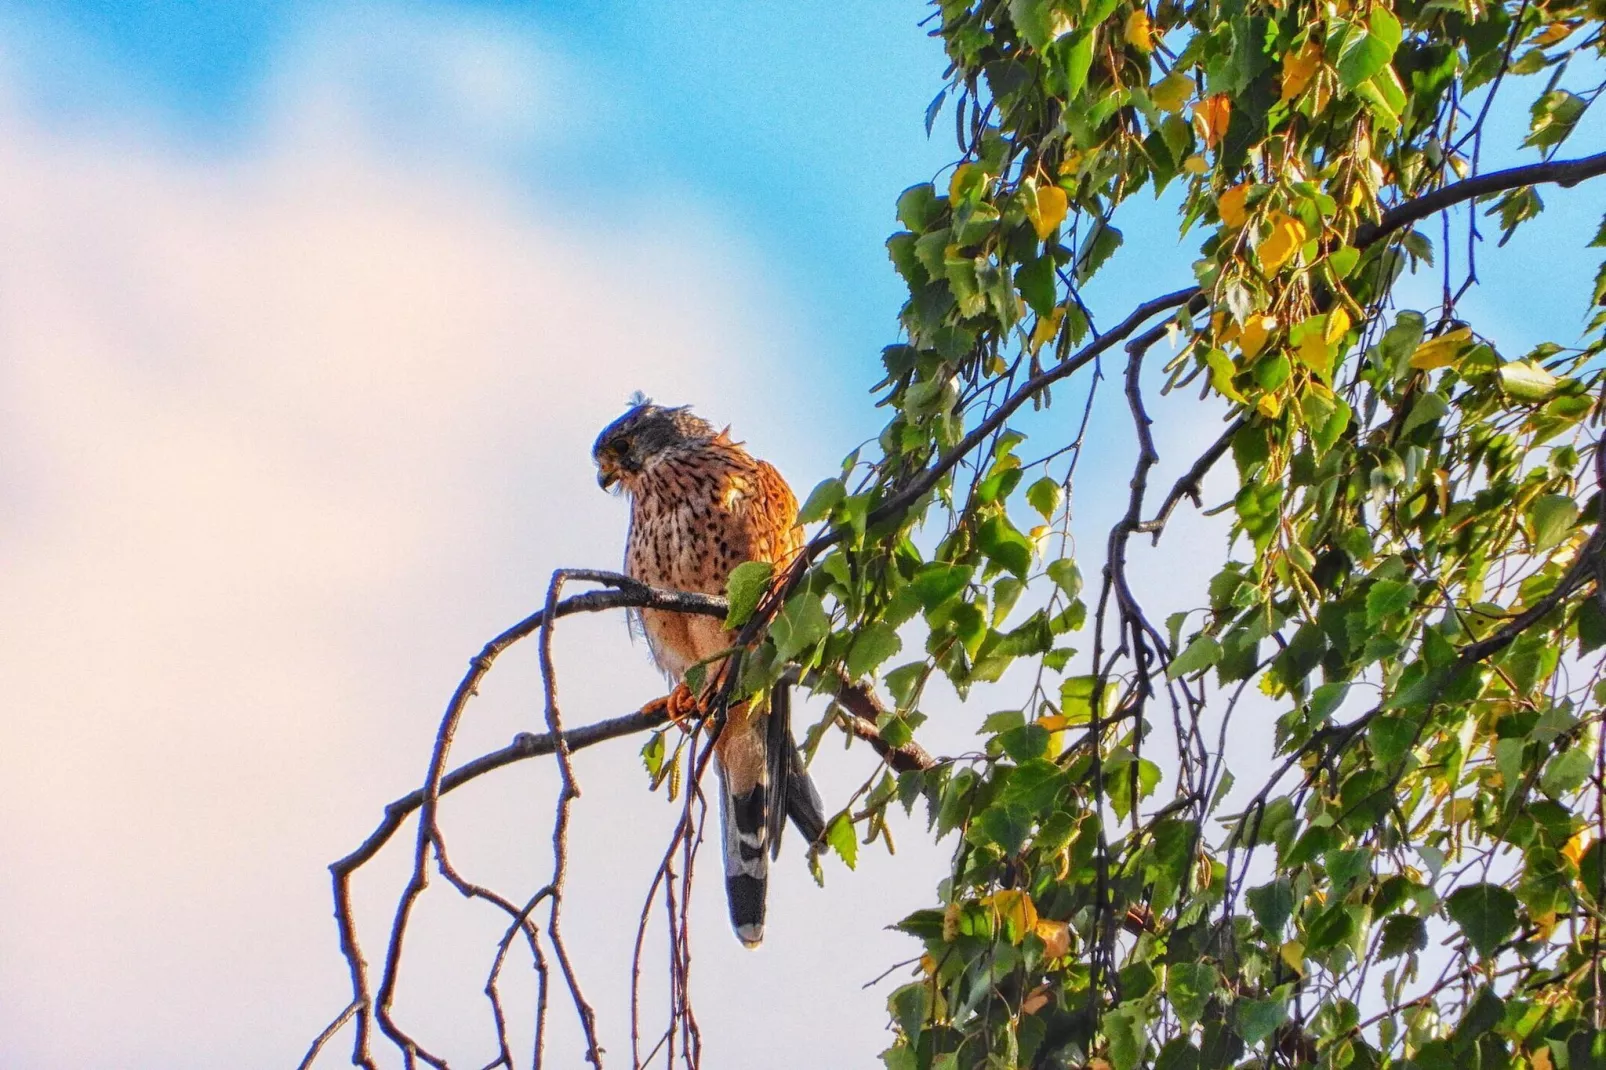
(1561, 172)
(927, 479)
(626, 592)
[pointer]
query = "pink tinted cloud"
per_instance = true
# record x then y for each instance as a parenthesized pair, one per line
(284, 436)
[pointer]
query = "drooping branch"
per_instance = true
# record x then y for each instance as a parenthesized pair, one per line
(920, 484)
(375, 1008)
(857, 699)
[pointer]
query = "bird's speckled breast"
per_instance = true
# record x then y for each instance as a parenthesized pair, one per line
(694, 517)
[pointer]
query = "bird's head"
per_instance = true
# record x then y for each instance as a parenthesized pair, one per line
(646, 433)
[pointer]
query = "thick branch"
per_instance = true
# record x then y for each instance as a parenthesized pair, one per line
(1561, 172)
(864, 711)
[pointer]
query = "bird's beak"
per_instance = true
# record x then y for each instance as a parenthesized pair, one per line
(607, 477)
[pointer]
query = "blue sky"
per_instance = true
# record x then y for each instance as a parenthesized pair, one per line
(795, 125)
(310, 313)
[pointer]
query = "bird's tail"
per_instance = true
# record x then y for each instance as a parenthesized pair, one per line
(778, 787)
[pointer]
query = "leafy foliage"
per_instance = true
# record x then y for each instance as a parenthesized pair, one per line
(1411, 583)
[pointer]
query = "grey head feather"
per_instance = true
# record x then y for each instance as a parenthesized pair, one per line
(647, 431)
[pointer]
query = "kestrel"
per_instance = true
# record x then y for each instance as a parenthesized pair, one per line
(700, 505)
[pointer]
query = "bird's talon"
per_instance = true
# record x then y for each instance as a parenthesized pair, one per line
(681, 706)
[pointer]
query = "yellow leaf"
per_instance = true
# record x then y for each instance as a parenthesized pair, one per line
(1047, 327)
(1253, 337)
(1035, 1000)
(1054, 722)
(1275, 249)
(1441, 351)
(1045, 206)
(1293, 956)
(1195, 165)
(1221, 372)
(1577, 846)
(1211, 116)
(1539, 1058)
(1231, 204)
(1072, 163)
(1269, 406)
(1337, 326)
(1137, 32)
(1299, 68)
(1556, 31)
(1545, 923)
(1056, 937)
(928, 965)
(1315, 354)
(1171, 92)
(1441, 483)
(1014, 907)
(966, 176)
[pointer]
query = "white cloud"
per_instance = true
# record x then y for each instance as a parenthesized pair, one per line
(284, 436)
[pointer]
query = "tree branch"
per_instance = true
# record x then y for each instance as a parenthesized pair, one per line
(1561, 172)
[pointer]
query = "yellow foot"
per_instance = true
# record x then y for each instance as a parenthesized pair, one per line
(681, 705)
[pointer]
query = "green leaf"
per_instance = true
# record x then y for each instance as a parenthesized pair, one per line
(1035, 281)
(1387, 598)
(1554, 116)
(652, 755)
(1566, 773)
(1400, 341)
(1527, 381)
(1390, 737)
(1035, 783)
(910, 1006)
(1552, 516)
(1026, 742)
(1430, 406)
(1259, 1018)
(1004, 825)
(1078, 59)
(1003, 543)
(1272, 904)
(1365, 52)
(841, 839)
(1126, 1028)
(800, 624)
(744, 588)
(918, 207)
(874, 644)
(1202, 653)
(1101, 241)
(1076, 698)
(1038, 21)
(1044, 496)
(936, 582)
(1487, 914)
(1066, 576)
(822, 499)
(1189, 986)
(1402, 933)
(1508, 763)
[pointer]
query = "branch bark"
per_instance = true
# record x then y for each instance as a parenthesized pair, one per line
(368, 1008)
(1560, 172)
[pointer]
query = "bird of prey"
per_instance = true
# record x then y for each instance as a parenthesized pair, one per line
(700, 505)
